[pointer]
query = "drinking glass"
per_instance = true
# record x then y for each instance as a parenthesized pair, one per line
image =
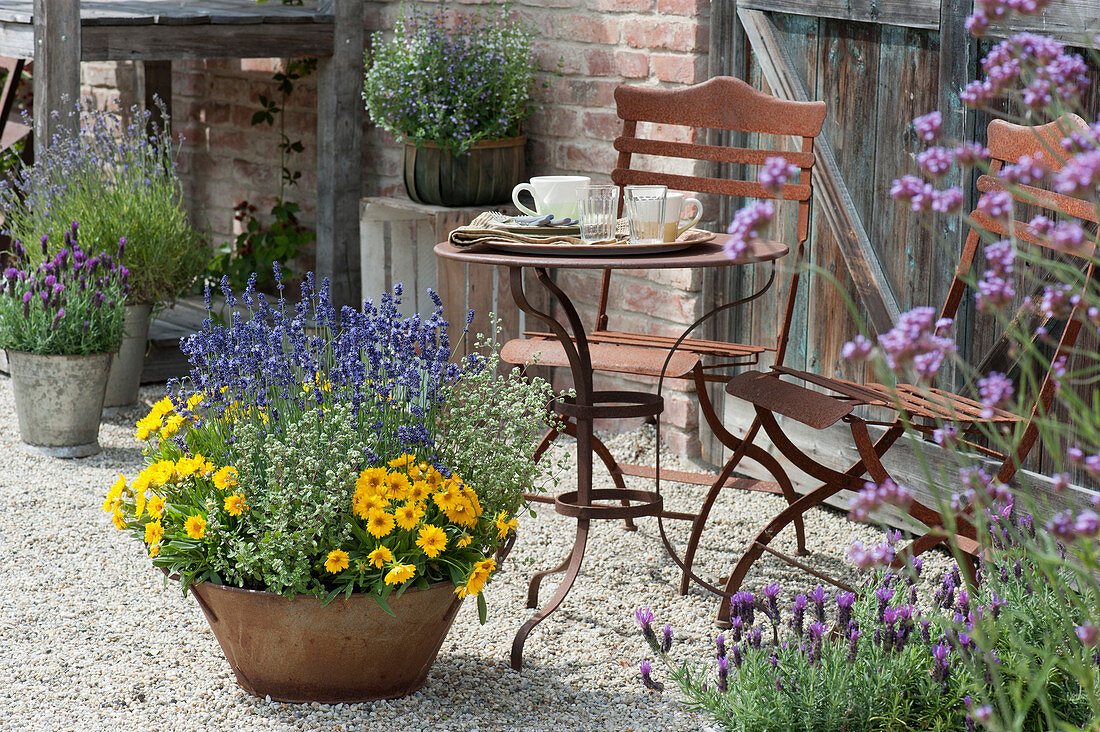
(645, 213)
(598, 206)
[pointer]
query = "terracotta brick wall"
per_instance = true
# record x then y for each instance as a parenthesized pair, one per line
(584, 49)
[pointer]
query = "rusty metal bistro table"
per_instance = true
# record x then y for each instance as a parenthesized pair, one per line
(589, 404)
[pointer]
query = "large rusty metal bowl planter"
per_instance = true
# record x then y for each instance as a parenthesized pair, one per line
(296, 650)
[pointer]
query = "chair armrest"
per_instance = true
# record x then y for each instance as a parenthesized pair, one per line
(768, 391)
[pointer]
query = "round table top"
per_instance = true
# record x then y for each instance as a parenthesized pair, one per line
(709, 254)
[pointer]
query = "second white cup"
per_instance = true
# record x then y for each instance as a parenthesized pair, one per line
(676, 222)
(557, 195)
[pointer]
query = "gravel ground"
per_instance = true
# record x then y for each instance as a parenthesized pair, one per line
(92, 638)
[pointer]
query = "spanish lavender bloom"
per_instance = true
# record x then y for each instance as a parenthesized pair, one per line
(736, 627)
(928, 126)
(746, 225)
(666, 638)
(776, 172)
(736, 653)
(798, 611)
(646, 668)
(723, 673)
(720, 643)
(884, 595)
(644, 616)
(853, 645)
(844, 602)
(1088, 634)
(756, 638)
(742, 606)
(941, 664)
(818, 595)
(771, 592)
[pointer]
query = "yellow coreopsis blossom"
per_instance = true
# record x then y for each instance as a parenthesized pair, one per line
(475, 583)
(118, 518)
(400, 574)
(462, 513)
(433, 478)
(372, 481)
(418, 491)
(154, 532)
(409, 515)
(505, 525)
(379, 523)
(195, 526)
(154, 551)
(419, 470)
(380, 557)
(162, 408)
(161, 472)
(432, 541)
(337, 561)
(146, 426)
(196, 465)
(471, 496)
(402, 462)
(155, 506)
(235, 504)
(114, 494)
(464, 541)
(399, 485)
(171, 426)
(225, 478)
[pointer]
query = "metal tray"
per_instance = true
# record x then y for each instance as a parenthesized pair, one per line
(689, 238)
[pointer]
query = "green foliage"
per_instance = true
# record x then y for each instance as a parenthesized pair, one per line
(119, 181)
(451, 79)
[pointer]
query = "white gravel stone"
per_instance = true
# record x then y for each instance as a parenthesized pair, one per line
(92, 637)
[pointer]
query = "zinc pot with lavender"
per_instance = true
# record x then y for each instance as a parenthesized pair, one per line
(60, 322)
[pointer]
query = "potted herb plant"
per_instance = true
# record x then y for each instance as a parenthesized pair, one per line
(330, 488)
(455, 89)
(60, 322)
(118, 179)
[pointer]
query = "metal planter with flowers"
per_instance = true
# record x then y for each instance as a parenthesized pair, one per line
(60, 322)
(331, 495)
(455, 89)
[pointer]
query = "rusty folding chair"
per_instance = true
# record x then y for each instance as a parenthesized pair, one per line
(721, 103)
(11, 131)
(922, 409)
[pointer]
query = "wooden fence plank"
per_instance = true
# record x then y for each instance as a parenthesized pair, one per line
(839, 209)
(906, 13)
(56, 68)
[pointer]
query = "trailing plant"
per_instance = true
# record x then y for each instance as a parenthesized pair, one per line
(316, 452)
(119, 181)
(70, 303)
(450, 78)
(282, 238)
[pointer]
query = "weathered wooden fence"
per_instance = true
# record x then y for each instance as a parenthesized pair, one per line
(877, 64)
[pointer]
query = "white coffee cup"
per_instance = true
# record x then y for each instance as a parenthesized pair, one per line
(675, 221)
(557, 195)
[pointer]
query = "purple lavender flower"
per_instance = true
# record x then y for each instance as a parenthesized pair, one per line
(736, 654)
(866, 557)
(666, 638)
(745, 227)
(995, 390)
(928, 126)
(798, 611)
(723, 673)
(873, 497)
(884, 595)
(644, 616)
(844, 602)
(645, 668)
(857, 350)
(771, 593)
(936, 161)
(720, 643)
(819, 596)
(1087, 634)
(916, 341)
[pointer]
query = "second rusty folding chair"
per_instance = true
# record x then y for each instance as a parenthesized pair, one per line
(721, 103)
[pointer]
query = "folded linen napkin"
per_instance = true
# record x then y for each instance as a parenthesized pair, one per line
(485, 228)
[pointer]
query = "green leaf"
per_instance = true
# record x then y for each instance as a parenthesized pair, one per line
(482, 608)
(384, 605)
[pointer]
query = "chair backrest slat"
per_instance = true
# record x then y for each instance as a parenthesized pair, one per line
(721, 186)
(1052, 200)
(713, 153)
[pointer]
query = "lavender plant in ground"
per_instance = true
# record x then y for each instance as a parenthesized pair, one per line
(70, 303)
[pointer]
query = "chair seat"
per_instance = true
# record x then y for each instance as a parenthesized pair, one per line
(13, 133)
(605, 357)
(819, 410)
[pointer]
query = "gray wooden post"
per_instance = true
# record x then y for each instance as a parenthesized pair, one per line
(339, 154)
(56, 67)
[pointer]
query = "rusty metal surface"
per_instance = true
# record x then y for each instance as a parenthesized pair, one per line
(709, 254)
(351, 650)
(605, 357)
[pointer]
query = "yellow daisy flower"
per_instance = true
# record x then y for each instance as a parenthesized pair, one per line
(432, 540)
(336, 562)
(371, 480)
(114, 494)
(141, 482)
(155, 506)
(118, 518)
(196, 465)
(162, 407)
(433, 478)
(379, 523)
(154, 532)
(154, 551)
(400, 574)
(225, 478)
(446, 499)
(380, 557)
(162, 472)
(399, 486)
(139, 504)
(360, 505)
(471, 496)
(418, 471)
(194, 401)
(418, 491)
(462, 513)
(171, 426)
(195, 526)
(465, 541)
(402, 462)
(505, 525)
(409, 515)
(235, 504)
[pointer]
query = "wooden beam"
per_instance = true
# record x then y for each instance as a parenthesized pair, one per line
(867, 275)
(340, 154)
(179, 42)
(56, 68)
(906, 13)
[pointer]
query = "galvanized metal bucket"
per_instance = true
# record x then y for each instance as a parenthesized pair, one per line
(296, 650)
(58, 400)
(125, 375)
